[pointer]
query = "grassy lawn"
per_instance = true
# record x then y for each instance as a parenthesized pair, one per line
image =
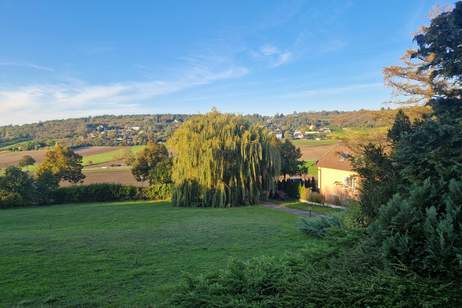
(311, 166)
(111, 155)
(122, 254)
(308, 142)
(325, 210)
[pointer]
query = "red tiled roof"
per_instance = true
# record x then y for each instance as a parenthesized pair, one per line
(336, 158)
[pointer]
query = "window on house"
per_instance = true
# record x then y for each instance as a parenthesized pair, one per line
(350, 183)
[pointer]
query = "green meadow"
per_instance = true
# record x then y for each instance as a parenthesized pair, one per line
(127, 253)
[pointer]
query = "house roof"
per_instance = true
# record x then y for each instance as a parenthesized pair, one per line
(336, 158)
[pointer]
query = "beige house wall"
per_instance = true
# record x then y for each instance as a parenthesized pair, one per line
(333, 183)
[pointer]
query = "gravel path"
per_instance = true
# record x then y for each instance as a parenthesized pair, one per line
(290, 211)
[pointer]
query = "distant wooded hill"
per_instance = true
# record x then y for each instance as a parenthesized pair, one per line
(137, 129)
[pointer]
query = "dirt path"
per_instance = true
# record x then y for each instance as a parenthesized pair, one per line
(290, 211)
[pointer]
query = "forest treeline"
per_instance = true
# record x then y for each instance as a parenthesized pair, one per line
(138, 129)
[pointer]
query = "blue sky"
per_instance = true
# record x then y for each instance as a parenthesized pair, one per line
(61, 59)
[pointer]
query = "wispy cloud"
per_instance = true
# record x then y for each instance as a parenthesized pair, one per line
(282, 58)
(46, 101)
(27, 65)
(273, 55)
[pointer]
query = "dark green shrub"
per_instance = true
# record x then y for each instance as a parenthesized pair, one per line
(96, 193)
(318, 226)
(423, 231)
(352, 218)
(290, 187)
(26, 160)
(10, 199)
(378, 179)
(18, 187)
(260, 282)
(327, 278)
(46, 184)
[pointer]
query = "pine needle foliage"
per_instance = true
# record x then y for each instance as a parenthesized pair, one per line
(221, 160)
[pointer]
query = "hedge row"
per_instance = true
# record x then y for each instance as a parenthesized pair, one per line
(97, 193)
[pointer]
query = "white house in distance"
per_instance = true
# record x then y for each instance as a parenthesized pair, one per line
(336, 179)
(298, 135)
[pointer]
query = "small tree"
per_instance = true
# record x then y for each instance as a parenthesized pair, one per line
(402, 125)
(46, 184)
(63, 163)
(18, 185)
(290, 158)
(26, 160)
(378, 177)
(152, 164)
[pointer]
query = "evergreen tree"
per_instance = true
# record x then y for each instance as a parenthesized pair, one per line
(290, 158)
(402, 125)
(420, 226)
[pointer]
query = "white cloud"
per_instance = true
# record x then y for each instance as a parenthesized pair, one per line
(77, 98)
(27, 65)
(269, 50)
(273, 55)
(282, 58)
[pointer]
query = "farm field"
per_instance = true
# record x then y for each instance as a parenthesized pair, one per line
(127, 253)
(314, 143)
(102, 164)
(102, 174)
(8, 158)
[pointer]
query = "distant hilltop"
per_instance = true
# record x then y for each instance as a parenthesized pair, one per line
(137, 129)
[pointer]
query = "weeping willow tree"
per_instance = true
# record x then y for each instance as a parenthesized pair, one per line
(220, 160)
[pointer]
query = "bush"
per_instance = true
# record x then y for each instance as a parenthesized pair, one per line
(317, 197)
(26, 160)
(10, 199)
(96, 193)
(353, 218)
(18, 187)
(325, 278)
(304, 192)
(290, 187)
(158, 192)
(318, 226)
(423, 231)
(257, 283)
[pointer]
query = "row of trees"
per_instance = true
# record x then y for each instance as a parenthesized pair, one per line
(411, 194)
(21, 188)
(219, 160)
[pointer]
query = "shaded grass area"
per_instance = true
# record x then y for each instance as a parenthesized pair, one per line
(324, 210)
(129, 253)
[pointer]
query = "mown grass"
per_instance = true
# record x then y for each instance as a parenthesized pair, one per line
(131, 253)
(311, 167)
(324, 210)
(111, 155)
(307, 142)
